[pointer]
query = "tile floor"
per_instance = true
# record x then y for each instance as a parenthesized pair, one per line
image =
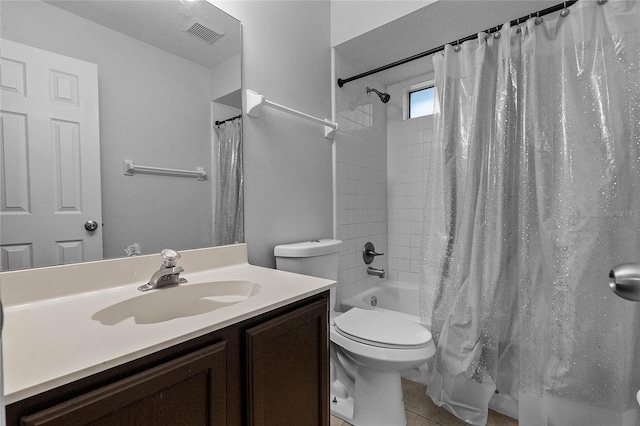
(421, 411)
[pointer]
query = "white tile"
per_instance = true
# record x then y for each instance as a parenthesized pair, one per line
(404, 253)
(404, 150)
(416, 137)
(415, 278)
(416, 124)
(416, 202)
(416, 228)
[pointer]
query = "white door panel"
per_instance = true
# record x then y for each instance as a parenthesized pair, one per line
(50, 158)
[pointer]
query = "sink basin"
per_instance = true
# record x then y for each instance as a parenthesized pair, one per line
(177, 302)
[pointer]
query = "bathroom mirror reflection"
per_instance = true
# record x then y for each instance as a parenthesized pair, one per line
(143, 81)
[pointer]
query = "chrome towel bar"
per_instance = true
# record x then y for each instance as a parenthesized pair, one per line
(130, 169)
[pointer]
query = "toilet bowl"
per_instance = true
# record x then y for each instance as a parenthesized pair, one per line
(377, 347)
(369, 349)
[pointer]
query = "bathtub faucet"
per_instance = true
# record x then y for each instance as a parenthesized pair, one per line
(375, 271)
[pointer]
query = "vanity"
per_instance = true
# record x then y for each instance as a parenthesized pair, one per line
(237, 344)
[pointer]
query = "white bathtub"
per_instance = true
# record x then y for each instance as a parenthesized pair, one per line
(399, 298)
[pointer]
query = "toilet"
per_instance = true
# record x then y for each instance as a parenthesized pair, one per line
(369, 349)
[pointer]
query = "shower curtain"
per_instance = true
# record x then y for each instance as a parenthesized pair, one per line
(228, 225)
(534, 194)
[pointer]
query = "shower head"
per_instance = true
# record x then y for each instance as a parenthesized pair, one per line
(384, 97)
(625, 281)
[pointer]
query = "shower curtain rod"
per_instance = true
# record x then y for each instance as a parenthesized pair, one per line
(342, 82)
(228, 119)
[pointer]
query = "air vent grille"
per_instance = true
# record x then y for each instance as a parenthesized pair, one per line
(202, 32)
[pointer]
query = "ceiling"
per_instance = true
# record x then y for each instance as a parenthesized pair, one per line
(431, 26)
(162, 24)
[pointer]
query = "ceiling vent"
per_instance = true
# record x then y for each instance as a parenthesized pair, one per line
(202, 31)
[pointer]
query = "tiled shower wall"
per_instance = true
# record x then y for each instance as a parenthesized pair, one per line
(381, 166)
(361, 179)
(409, 145)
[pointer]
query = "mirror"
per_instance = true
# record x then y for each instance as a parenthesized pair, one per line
(151, 80)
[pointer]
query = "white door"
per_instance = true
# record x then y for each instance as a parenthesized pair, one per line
(50, 158)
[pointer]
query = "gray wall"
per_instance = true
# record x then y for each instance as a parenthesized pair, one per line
(288, 169)
(149, 101)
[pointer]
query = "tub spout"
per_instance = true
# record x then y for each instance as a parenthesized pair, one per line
(375, 271)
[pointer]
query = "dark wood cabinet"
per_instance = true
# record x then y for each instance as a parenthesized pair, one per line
(190, 390)
(287, 365)
(268, 370)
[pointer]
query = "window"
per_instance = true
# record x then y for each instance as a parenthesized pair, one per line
(421, 102)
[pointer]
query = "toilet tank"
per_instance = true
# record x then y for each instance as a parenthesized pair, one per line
(317, 258)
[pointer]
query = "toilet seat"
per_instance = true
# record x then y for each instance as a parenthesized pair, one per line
(380, 329)
(377, 354)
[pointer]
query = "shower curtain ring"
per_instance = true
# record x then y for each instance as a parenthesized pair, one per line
(457, 47)
(565, 12)
(497, 34)
(538, 20)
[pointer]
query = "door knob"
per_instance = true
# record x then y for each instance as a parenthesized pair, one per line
(624, 280)
(91, 225)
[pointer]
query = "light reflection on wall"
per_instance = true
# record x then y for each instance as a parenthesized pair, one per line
(361, 117)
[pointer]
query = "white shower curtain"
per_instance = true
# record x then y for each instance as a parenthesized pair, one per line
(228, 227)
(534, 195)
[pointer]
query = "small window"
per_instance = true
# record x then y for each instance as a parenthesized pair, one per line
(421, 102)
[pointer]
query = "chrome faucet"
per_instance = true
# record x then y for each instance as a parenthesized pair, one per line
(168, 274)
(375, 271)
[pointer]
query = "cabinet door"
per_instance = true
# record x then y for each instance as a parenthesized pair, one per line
(287, 368)
(190, 390)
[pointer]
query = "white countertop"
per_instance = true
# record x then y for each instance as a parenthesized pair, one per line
(51, 341)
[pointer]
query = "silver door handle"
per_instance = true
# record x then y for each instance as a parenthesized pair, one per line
(91, 225)
(624, 280)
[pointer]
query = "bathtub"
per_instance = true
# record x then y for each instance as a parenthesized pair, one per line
(399, 298)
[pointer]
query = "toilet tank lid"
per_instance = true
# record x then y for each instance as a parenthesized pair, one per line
(308, 248)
